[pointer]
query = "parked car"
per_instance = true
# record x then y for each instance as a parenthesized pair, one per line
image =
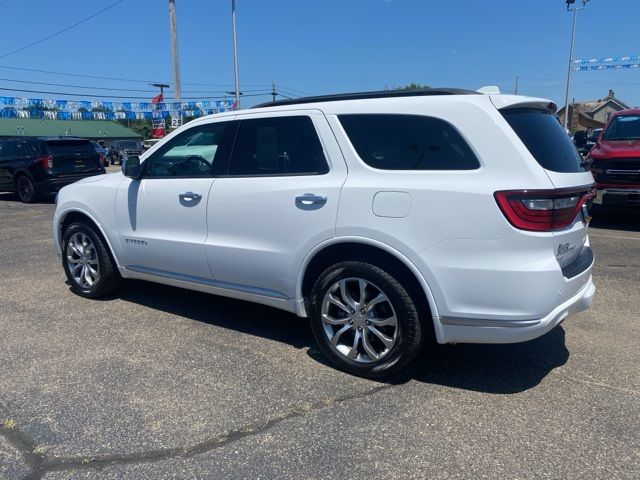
(615, 160)
(585, 140)
(147, 144)
(389, 219)
(41, 165)
(123, 149)
(103, 152)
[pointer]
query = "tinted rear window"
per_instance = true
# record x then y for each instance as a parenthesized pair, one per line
(408, 142)
(129, 145)
(70, 148)
(545, 138)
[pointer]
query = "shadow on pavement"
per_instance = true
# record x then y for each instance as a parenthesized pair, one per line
(627, 219)
(499, 369)
(483, 368)
(13, 197)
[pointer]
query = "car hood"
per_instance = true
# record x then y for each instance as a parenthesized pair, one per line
(616, 149)
(93, 178)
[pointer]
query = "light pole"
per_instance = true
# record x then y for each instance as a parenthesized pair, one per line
(574, 10)
(174, 50)
(235, 54)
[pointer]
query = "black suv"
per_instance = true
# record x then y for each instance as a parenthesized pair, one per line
(34, 166)
(123, 149)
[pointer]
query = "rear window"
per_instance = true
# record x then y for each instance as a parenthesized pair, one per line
(545, 138)
(408, 142)
(129, 145)
(70, 147)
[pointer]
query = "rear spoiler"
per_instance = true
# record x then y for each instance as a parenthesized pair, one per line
(502, 102)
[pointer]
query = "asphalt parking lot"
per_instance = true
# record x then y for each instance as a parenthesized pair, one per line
(159, 382)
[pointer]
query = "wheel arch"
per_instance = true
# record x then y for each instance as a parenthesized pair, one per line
(371, 251)
(74, 215)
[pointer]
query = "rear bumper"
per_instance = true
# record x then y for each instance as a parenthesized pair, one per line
(618, 196)
(513, 331)
(53, 184)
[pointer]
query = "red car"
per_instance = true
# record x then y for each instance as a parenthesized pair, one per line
(616, 160)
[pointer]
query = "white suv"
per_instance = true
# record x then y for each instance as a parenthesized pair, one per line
(386, 218)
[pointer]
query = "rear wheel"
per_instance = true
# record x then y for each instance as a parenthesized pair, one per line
(90, 270)
(26, 189)
(364, 320)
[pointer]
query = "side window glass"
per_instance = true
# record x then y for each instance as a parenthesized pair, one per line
(408, 142)
(278, 146)
(193, 153)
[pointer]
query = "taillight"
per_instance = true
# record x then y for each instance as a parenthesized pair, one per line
(543, 210)
(46, 162)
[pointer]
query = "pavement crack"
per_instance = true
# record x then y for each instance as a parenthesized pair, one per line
(50, 464)
(30, 449)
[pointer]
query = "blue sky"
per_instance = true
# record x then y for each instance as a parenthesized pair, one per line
(313, 46)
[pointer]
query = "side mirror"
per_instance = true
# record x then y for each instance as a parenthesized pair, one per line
(131, 167)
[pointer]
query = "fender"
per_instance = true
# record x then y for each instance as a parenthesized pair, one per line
(300, 307)
(91, 217)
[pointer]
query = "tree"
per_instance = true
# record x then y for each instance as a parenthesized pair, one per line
(413, 86)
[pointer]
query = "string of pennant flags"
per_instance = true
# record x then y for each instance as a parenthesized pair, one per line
(584, 61)
(18, 107)
(606, 63)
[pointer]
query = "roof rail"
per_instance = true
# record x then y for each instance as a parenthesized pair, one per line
(368, 95)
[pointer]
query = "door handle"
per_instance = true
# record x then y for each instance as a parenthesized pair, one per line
(190, 196)
(310, 201)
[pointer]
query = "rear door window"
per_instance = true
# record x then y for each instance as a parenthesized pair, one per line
(545, 139)
(408, 142)
(278, 146)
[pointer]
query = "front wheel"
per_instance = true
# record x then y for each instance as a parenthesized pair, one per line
(89, 268)
(364, 320)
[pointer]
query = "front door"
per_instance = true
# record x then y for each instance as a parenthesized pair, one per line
(162, 221)
(278, 201)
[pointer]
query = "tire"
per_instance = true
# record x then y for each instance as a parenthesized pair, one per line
(26, 190)
(82, 243)
(329, 318)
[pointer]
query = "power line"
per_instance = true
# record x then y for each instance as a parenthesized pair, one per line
(90, 87)
(62, 31)
(119, 97)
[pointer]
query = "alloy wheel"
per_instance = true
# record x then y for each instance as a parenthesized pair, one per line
(25, 188)
(82, 259)
(359, 320)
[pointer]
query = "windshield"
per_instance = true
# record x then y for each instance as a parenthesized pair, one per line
(623, 127)
(132, 145)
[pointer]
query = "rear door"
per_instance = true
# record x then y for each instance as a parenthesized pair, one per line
(71, 156)
(552, 148)
(278, 201)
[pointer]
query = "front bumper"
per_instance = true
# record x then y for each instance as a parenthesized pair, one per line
(618, 196)
(499, 331)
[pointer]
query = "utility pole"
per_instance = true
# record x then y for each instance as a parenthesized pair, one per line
(517, 78)
(273, 90)
(235, 54)
(174, 50)
(570, 69)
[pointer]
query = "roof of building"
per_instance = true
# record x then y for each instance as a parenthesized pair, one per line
(592, 106)
(31, 127)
